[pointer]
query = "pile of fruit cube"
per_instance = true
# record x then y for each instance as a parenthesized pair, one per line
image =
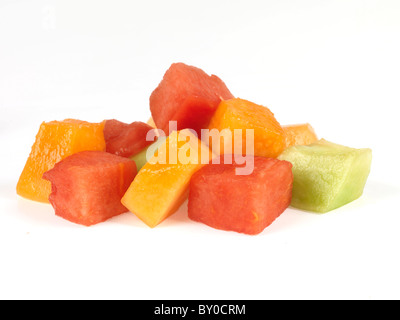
(90, 172)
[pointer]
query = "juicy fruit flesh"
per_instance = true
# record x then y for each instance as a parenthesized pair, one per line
(187, 95)
(126, 140)
(299, 134)
(326, 175)
(113, 128)
(87, 187)
(248, 204)
(55, 141)
(159, 189)
(269, 138)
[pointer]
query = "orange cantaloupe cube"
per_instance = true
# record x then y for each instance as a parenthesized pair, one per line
(269, 138)
(55, 141)
(299, 134)
(161, 186)
(151, 123)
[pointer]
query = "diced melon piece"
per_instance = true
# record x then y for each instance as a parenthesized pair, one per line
(222, 199)
(188, 96)
(299, 134)
(55, 141)
(113, 128)
(161, 186)
(126, 140)
(87, 187)
(327, 175)
(233, 114)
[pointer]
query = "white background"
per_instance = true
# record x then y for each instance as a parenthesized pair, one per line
(334, 64)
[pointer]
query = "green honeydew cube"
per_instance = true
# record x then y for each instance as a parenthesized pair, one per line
(327, 175)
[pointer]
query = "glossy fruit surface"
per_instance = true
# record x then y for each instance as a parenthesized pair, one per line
(269, 137)
(55, 141)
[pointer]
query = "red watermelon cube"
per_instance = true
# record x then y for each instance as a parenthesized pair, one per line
(113, 128)
(188, 96)
(126, 140)
(87, 187)
(246, 204)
